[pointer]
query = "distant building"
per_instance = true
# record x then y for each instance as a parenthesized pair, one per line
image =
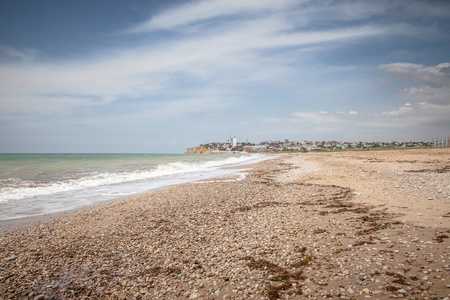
(255, 148)
(234, 142)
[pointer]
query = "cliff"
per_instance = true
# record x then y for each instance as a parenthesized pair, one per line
(199, 149)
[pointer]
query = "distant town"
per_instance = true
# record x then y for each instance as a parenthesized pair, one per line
(233, 145)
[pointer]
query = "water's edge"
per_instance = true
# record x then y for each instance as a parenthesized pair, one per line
(22, 222)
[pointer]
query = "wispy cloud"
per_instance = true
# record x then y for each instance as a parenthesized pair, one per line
(282, 65)
(434, 76)
(200, 11)
(432, 82)
(146, 71)
(321, 117)
(402, 110)
(270, 120)
(352, 112)
(10, 53)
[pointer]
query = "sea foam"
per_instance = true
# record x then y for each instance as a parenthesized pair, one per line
(15, 188)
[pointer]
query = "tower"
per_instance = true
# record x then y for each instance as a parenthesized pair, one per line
(234, 142)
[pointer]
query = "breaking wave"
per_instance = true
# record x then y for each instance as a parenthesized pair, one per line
(15, 188)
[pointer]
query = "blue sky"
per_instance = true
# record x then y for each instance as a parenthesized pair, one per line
(160, 76)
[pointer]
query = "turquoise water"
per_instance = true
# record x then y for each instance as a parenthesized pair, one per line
(35, 184)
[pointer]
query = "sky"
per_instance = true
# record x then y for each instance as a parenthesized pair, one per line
(159, 76)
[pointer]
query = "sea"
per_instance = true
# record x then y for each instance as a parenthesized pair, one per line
(40, 184)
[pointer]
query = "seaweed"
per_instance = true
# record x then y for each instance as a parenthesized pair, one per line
(281, 279)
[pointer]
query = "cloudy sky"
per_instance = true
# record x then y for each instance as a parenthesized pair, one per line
(163, 75)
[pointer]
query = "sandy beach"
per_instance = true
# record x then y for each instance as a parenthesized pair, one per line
(341, 225)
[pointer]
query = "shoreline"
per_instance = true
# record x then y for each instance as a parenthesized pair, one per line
(19, 223)
(22, 222)
(296, 227)
(28, 221)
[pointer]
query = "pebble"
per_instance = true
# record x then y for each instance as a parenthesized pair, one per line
(224, 240)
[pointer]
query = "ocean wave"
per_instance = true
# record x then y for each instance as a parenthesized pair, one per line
(14, 188)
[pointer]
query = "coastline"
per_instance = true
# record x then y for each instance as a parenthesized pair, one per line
(298, 226)
(24, 222)
(29, 221)
(118, 177)
(18, 223)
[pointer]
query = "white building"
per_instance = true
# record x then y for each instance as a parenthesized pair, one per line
(233, 142)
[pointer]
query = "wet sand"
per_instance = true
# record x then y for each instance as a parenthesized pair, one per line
(344, 225)
(6, 225)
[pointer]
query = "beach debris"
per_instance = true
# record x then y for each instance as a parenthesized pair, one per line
(258, 238)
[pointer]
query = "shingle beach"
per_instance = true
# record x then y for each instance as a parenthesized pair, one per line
(340, 225)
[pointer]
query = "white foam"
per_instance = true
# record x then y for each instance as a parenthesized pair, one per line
(28, 189)
(238, 177)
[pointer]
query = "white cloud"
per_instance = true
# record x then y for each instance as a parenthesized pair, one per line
(433, 82)
(428, 94)
(321, 117)
(37, 105)
(432, 11)
(417, 118)
(9, 53)
(402, 110)
(198, 11)
(270, 120)
(345, 10)
(261, 54)
(147, 71)
(302, 13)
(406, 119)
(325, 118)
(352, 112)
(434, 76)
